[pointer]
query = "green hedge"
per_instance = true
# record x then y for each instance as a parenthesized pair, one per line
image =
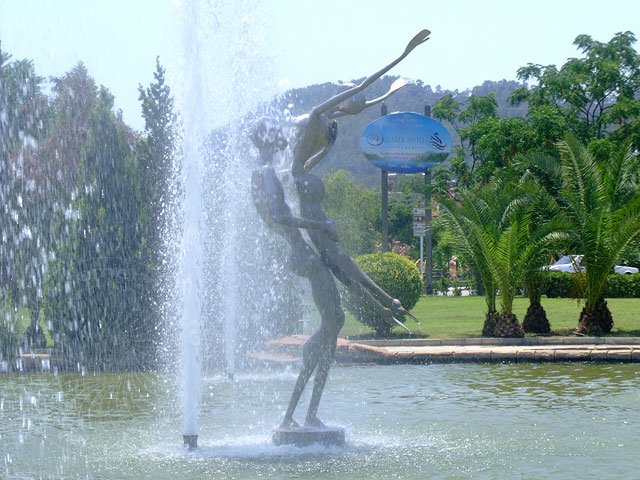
(623, 286)
(567, 285)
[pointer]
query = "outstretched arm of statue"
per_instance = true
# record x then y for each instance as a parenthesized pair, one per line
(280, 212)
(330, 105)
(350, 107)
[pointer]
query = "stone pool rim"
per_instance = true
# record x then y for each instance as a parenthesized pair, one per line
(458, 350)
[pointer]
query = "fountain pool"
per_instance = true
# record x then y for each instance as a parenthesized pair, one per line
(430, 421)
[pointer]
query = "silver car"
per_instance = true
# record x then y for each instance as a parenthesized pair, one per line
(573, 263)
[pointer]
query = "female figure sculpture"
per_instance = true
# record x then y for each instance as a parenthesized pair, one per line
(315, 133)
(269, 199)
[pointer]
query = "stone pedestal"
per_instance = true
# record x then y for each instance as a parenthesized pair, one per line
(305, 436)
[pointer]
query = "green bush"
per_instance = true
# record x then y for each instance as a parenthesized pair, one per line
(561, 285)
(397, 276)
(623, 286)
(566, 285)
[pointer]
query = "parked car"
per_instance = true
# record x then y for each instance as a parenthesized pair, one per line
(573, 263)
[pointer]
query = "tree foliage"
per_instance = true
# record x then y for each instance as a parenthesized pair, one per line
(594, 96)
(355, 209)
(86, 201)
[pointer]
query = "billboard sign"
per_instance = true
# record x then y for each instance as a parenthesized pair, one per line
(405, 142)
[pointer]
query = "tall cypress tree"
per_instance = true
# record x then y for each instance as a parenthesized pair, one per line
(159, 180)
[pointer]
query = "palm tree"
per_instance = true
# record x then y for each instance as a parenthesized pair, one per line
(602, 205)
(535, 319)
(498, 229)
(543, 170)
(468, 216)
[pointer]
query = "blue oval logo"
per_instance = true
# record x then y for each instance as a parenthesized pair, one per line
(405, 142)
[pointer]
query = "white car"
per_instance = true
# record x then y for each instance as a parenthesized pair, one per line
(573, 263)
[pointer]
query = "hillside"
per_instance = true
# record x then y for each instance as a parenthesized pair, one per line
(346, 154)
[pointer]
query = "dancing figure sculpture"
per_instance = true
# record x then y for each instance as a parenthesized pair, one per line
(314, 136)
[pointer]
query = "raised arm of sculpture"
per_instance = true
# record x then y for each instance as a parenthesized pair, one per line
(357, 103)
(330, 105)
(317, 130)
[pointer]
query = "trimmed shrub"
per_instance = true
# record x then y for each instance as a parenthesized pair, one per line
(623, 286)
(566, 285)
(561, 285)
(397, 276)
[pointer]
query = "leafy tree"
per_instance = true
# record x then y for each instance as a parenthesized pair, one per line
(504, 139)
(75, 95)
(355, 209)
(470, 123)
(593, 96)
(94, 287)
(158, 192)
(24, 187)
(23, 105)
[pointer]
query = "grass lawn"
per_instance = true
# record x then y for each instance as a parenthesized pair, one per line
(450, 317)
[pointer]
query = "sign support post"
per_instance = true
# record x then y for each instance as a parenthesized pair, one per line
(407, 142)
(384, 194)
(428, 275)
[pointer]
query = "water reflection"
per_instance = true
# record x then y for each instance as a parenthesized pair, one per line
(438, 421)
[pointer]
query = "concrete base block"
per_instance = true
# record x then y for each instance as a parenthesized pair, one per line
(305, 436)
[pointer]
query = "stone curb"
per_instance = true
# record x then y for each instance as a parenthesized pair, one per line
(493, 354)
(527, 341)
(424, 351)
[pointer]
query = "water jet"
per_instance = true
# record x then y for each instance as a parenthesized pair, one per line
(191, 441)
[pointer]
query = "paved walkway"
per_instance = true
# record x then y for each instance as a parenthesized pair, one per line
(535, 349)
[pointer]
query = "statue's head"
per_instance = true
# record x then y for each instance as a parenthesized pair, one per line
(267, 136)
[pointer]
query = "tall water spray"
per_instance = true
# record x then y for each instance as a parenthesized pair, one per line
(221, 81)
(191, 246)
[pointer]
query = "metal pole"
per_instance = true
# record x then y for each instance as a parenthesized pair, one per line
(384, 193)
(428, 239)
(421, 255)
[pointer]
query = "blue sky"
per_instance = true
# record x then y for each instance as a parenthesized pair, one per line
(305, 42)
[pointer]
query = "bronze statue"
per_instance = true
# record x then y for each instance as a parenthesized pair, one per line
(315, 133)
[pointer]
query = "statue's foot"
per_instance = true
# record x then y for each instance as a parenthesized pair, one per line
(314, 423)
(289, 423)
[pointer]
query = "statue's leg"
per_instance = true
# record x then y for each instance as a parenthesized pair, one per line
(319, 382)
(311, 352)
(327, 300)
(348, 271)
(330, 338)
